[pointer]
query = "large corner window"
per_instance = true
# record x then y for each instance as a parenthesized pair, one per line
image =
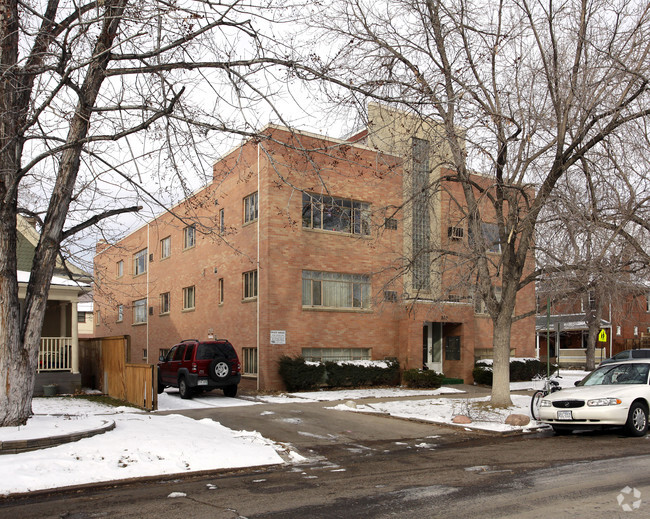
(335, 214)
(140, 262)
(140, 311)
(335, 290)
(250, 208)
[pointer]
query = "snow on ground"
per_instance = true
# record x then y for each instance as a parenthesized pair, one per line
(443, 410)
(142, 444)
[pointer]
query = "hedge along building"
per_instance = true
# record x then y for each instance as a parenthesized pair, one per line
(299, 246)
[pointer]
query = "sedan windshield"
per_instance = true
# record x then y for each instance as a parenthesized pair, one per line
(618, 374)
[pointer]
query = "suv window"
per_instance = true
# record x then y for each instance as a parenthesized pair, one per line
(171, 353)
(208, 351)
(189, 351)
(178, 354)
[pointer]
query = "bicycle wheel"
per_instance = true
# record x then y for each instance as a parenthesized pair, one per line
(534, 403)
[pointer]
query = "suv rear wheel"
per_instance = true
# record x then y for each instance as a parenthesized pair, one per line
(230, 391)
(184, 389)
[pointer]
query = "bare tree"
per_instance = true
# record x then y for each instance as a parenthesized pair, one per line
(534, 86)
(95, 116)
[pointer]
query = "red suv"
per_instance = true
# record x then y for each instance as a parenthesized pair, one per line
(193, 366)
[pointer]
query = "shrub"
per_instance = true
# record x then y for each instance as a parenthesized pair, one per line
(482, 374)
(298, 375)
(345, 374)
(415, 378)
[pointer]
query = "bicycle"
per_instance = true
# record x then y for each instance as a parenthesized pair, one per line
(550, 386)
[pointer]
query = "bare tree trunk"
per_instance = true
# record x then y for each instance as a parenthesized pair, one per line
(501, 365)
(593, 324)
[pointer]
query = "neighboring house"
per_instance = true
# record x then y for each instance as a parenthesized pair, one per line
(626, 324)
(295, 252)
(58, 361)
(85, 314)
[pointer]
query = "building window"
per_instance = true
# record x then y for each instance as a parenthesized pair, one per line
(636, 331)
(452, 347)
(334, 290)
(249, 358)
(98, 318)
(120, 268)
(250, 284)
(120, 313)
(335, 354)
(166, 247)
(335, 214)
(164, 303)
(390, 224)
(647, 302)
(188, 298)
(140, 311)
(222, 222)
(390, 296)
(220, 291)
(455, 233)
(144, 354)
(81, 317)
(140, 262)
(250, 208)
(618, 331)
(189, 237)
(421, 219)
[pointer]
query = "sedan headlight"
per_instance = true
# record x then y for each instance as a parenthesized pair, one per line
(596, 402)
(545, 403)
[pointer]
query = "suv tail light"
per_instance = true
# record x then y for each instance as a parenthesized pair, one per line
(235, 365)
(194, 368)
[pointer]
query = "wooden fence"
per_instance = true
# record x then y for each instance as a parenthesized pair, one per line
(133, 383)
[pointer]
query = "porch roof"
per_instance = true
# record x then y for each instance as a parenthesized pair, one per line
(23, 277)
(568, 322)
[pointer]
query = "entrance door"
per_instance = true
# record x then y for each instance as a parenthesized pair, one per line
(432, 346)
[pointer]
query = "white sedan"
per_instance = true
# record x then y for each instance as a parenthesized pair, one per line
(611, 395)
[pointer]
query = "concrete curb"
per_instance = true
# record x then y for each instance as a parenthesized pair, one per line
(18, 446)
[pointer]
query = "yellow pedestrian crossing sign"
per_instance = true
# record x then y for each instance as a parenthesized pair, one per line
(602, 336)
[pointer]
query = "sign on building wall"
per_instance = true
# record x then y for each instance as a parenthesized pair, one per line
(278, 336)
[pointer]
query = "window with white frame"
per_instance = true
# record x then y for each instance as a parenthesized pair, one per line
(166, 247)
(618, 331)
(140, 262)
(250, 284)
(140, 311)
(636, 331)
(188, 298)
(222, 222)
(164, 303)
(335, 290)
(120, 313)
(189, 237)
(120, 268)
(329, 213)
(335, 354)
(250, 208)
(249, 361)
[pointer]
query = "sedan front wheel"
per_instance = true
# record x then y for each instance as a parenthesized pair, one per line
(637, 420)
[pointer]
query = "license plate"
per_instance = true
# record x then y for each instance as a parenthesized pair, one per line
(564, 415)
(203, 382)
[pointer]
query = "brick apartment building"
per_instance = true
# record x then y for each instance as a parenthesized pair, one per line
(298, 247)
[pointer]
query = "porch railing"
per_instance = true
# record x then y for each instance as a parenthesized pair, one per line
(55, 354)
